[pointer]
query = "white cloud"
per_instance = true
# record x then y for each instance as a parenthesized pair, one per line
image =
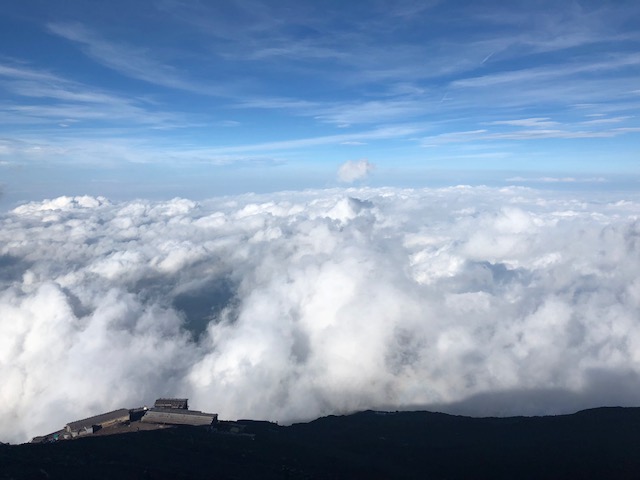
(374, 111)
(294, 305)
(353, 170)
(527, 122)
(567, 131)
(378, 133)
(73, 102)
(132, 61)
(606, 120)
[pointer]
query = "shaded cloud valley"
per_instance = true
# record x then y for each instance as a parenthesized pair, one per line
(295, 305)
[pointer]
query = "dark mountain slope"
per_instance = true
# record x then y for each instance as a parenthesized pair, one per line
(598, 443)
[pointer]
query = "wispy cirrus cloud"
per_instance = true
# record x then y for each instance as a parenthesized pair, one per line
(527, 122)
(329, 75)
(604, 79)
(131, 61)
(556, 179)
(483, 135)
(602, 121)
(118, 145)
(374, 111)
(73, 101)
(380, 133)
(394, 107)
(24, 73)
(253, 36)
(551, 29)
(454, 137)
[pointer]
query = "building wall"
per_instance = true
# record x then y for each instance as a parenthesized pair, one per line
(114, 421)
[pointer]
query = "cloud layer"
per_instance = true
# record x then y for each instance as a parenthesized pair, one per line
(292, 306)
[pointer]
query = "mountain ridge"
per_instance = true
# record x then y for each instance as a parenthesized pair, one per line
(594, 443)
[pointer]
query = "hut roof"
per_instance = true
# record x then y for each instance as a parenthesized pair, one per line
(181, 403)
(119, 414)
(179, 417)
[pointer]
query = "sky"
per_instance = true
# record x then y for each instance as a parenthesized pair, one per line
(156, 99)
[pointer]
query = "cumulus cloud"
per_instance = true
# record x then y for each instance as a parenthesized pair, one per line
(353, 170)
(291, 306)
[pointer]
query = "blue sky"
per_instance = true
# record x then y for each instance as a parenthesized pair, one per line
(202, 98)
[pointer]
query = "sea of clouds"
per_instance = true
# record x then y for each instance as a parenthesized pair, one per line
(290, 306)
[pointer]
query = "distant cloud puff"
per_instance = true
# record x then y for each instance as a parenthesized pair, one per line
(353, 170)
(296, 305)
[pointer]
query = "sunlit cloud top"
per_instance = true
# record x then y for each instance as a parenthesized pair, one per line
(289, 306)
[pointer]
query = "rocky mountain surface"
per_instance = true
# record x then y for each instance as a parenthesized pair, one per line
(597, 443)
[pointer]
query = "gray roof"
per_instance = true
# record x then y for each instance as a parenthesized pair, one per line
(116, 415)
(181, 403)
(179, 417)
